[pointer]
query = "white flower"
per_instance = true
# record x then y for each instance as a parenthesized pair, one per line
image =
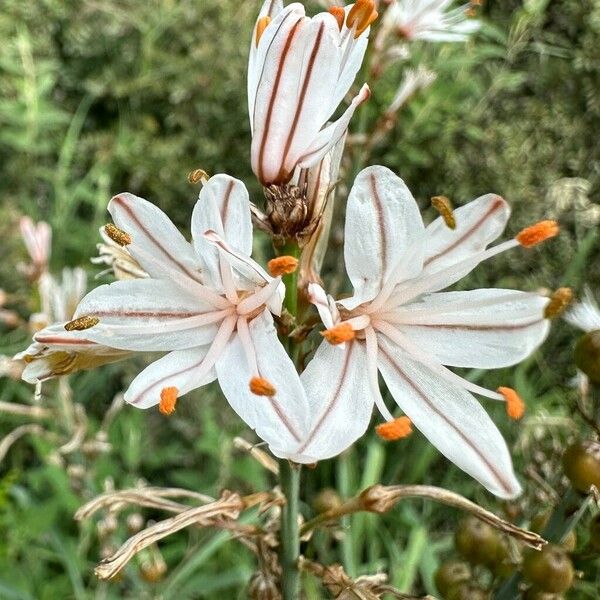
(430, 20)
(399, 324)
(585, 315)
(37, 238)
(118, 259)
(207, 304)
(59, 298)
(300, 69)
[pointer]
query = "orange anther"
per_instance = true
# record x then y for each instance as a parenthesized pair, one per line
(443, 205)
(515, 407)
(394, 430)
(538, 233)
(168, 399)
(282, 265)
(117, 235)
(339, 334)
(339, 13)
(261, 25)
(262, 387)
(361, 15)
(558, 302)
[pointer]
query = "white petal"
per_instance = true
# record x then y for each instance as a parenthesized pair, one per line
(330, 135)
(383, 224)
(281, 420)
(485, 329)
(180, 369)
(585, 315)
(224, 207)
(451, 419)
(146, 314)
(337, 387)
(157, 244)
(478, 223)
(324, 304)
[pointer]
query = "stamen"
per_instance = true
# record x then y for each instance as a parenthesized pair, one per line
(261, 25)
(339, 13)
(394, 430)
(168, 399)
(558, 303)
(282, 265)
(515, 407)
(262, 387)
(117, 235)
(197, 176)
(538, 233)
(82, 323)
(444, 207)
(339, 334)
(361, 15)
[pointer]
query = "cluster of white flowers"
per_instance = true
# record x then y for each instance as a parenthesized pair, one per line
(215, 312)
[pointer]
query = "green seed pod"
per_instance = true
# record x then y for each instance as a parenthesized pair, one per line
(581, 463)
(450, 573)
(326, 499)
(549, 570)
(467, 591)
(539, 522)
(587, 355)
(477, 541)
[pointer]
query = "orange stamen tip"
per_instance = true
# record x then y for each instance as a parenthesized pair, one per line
(168, 399)
(361, 15)
(261, 25)
(558, 302)
(339, 334)
(339, 13)
(117, 235)
(538, 233)
(262, 387)
(282, 265)
(394, 430)
(443, 205)
(515, 407)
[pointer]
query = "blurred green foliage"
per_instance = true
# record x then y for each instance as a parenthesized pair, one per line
(98, 97)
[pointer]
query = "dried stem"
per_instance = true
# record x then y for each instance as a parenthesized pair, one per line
(228, 507)
(380, 499)
(24, 410)
(261, 457)
(17, 433)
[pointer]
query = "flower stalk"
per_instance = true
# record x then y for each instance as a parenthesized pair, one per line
(289, 478)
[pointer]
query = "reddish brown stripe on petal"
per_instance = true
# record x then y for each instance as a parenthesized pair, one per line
(225, 207)
(147, 314)
(381, 227)
(279, 411)
(477, 327)
(301, 98)
(271, 103)
(331, 404)
(121, 202)
(54, 339)
(497, 474)
(497, 205)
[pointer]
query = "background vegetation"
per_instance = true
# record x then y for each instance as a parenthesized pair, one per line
(102, 97)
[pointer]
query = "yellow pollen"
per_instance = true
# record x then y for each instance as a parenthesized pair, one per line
(394, 430)
(538, 233)
(361, 15)
(117, 235)
(197, 176)
(82, 323)
(261, 25)
(262, 387)
(558, 303)
(282, 265)
(444, 207)
(515, 407)
(339, 334)
(339, 13)
(168, 399)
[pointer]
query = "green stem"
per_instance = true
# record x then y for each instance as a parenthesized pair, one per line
(291, 281)
(289, 479)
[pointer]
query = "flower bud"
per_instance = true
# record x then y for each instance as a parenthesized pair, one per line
(263, 587)
(581, 463)
(549, 570)
(587, 355)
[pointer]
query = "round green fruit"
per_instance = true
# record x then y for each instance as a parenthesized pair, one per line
(467, 591)
(587, 355)
(450, 573)
(477, 541)
(549, 570)
(581, 463)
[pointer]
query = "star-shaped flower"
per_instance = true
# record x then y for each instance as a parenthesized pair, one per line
(399, 324)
